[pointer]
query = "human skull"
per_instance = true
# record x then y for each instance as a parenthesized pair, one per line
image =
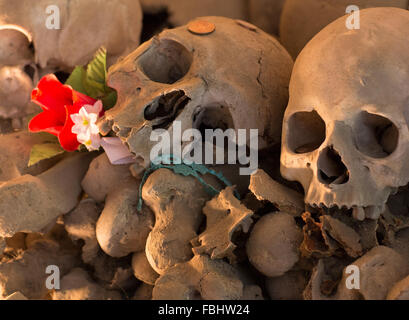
(302, 20)
(15, 90)
(234, 76)
(84, 26)
(17, 71)
(15, 46)
(345, 130)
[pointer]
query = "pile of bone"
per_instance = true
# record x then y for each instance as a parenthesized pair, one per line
(70, 227)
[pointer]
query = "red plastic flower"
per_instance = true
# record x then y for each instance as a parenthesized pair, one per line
(58, 102)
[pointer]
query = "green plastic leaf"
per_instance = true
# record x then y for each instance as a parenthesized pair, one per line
(91, 80)
(95, 79)
(47, 138)
(109, 100)
(44, 151)
(97, 68)
(76, 80)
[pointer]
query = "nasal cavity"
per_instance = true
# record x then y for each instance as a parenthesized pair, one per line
(331, 169)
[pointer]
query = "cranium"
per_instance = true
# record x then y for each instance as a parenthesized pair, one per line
(15, 89)
(234, 76)
(345, 131)
(84, 27)
(301, 20)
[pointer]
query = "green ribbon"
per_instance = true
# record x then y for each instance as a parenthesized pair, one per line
(180, 167)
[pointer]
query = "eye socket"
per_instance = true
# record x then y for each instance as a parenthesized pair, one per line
(375, 135)
(306, 132)
(166, 62)
(163, 110)
(213, 116)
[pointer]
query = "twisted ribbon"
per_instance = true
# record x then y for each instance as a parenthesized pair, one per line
(180, 167)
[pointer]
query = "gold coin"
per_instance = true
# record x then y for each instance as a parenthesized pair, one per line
(201, 27)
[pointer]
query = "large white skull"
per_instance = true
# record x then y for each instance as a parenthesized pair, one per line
(234, 77)
(345, 131)
(302, 20)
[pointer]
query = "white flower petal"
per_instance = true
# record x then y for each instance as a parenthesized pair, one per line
(93, 143)
(83, 113)
(98, 105)
(96, 108)
(76, 118)
(83, 137)
(85, 126)
(88, 107)
(78, 129)
(94, 129)
(92, 118)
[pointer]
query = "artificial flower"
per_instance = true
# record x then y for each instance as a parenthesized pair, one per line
(91, 142)
(58, 102)
(85, 120)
